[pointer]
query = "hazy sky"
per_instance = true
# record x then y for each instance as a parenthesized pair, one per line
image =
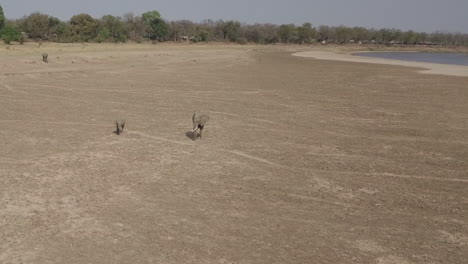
(419, 15)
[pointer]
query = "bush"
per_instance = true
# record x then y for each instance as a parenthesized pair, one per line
(159, 29)
(231, 30)
(122, 38)
(103, 35)
(9, 34)
(203, 35)
(83, 27)
(36, 25)
(63, 32)
(112, 29)
(195, 39)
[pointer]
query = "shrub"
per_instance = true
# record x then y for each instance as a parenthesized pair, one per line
(9, 34)
(159, 29)
(112, 29)
(203, 35)
(83, 27)
(63, 32)
(195, 39)
(36, 25)
(103, 35)
(231, 30)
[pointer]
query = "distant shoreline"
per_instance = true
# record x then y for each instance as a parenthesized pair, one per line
(428, 68)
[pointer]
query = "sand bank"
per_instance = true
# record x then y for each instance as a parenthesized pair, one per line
(428, 68)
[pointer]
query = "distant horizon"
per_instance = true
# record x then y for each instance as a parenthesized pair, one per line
(419, 15)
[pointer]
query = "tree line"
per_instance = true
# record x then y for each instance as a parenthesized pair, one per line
(152, 26)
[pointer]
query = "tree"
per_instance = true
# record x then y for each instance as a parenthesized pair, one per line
(83, 27)
(151, 25)
(209, 27)
(231, 30)
(135, 27)
(360, 34)
(217, 29)
(343, 34)
(112, 28)
(204, 35)
(53, 24)
(148, 17)
(182, 28)
(384, 36)
(395, 35)
(288, 33)
(63, 31)
(325, 33)
(157, 27)
(2, 18)
(261, 33)
(306, 33)
(9, 34)
(408, 37)
(36, 25)
(175, 31)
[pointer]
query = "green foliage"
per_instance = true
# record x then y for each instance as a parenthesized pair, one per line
(53, 22)
(180, 28)
(360, 34)
(231, 30)
(288, 33)
(306, 33)
(159, 29)
(103, 35)
(343, 34)
(63, 31)
(36, 25)
(325, 33)
(9, 34)
(135, 27)
(262, 33)
(151, 25)
(53, 26)
(195, 39)
(2, 18)
(112, 29)
(204, 35)
(150, 16)
(83, 27)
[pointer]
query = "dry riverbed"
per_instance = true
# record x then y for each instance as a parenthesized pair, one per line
(302, 161)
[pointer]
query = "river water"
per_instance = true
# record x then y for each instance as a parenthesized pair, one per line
(432, 57)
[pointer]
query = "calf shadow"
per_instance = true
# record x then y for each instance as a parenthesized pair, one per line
(191, 135)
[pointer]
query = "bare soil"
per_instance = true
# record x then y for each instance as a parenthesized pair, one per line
(302, 161)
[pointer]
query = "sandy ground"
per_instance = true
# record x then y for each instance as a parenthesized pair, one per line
(303, 160)
(430, 68)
